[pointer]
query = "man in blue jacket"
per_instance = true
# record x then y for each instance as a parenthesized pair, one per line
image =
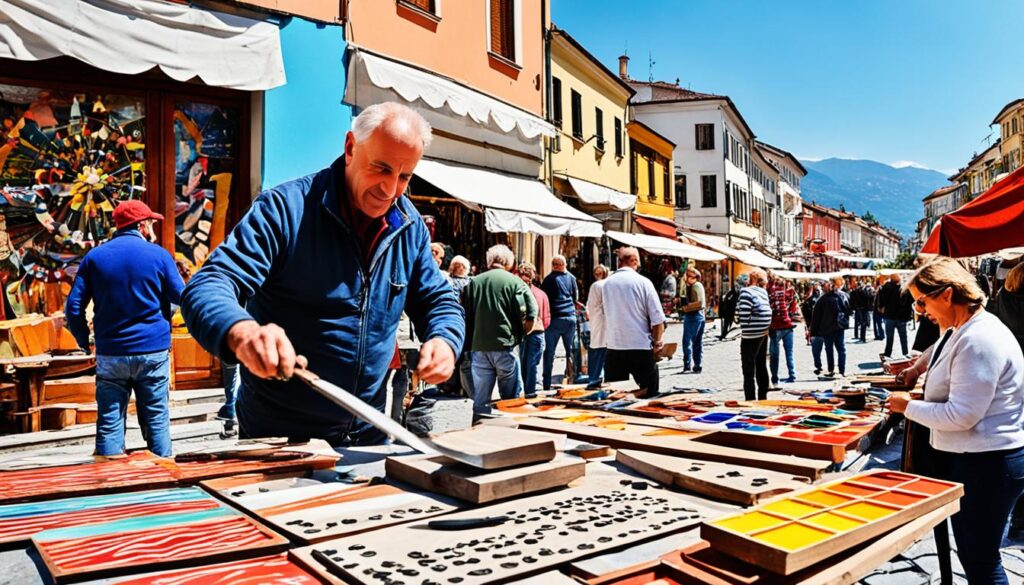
(560, 286)
(323, 267)
(132, 284)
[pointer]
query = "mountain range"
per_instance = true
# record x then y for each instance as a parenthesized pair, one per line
(893, 195)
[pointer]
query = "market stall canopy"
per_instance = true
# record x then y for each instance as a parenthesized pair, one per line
(749, 256)
(510, 203)
(594, 194)
(438, 92)
(792, 275)
(989, 223)
(665, 228)
(665, 247)
(853, 259)
(133, 36)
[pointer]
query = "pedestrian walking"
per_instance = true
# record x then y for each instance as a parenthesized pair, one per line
(807, 309)
(754, 316)
(500, 309)
(829, 322)
(598, 352)
(132, 284)
(862, 301)
(531, 350)
(693, 322)
(896, 307)
(669, 285)
(560, 286)
(727, 307)
(876, 312)
(458, 274)
(634, 335)
(785, 316)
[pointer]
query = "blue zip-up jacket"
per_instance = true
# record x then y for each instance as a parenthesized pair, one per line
(294, 262)
(562, 294)
(133, 284)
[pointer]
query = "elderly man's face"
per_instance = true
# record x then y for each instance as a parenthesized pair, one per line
(558, 265)
(378, 169)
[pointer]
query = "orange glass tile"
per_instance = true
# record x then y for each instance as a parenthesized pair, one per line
(792, 536)
(884, 479)
(866, 510)
(833, 522)
(790, 508)
(898, 498)
(824, 498)
(854, 490)
(926, 486)
(751, 522)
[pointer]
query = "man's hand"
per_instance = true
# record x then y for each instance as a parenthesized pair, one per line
(437, 361)
(898, 402)
(264, 350)
(908, 377)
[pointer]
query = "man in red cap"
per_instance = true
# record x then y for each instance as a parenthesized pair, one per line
(132, 284)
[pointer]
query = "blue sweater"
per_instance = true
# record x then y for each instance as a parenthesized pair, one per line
(293, 261)
(562, 294)
(133, 284)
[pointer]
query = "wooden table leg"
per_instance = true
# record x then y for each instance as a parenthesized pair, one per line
(30, 381)
(942, 549)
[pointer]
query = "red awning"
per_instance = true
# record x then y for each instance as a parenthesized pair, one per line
(990, 223)
(655, 227)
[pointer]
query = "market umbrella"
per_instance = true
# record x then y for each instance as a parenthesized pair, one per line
(991, 222)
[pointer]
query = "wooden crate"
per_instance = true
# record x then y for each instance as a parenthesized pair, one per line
(192, 366)
(25, 336)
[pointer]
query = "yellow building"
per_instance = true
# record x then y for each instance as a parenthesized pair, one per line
(981, 172)
(588, 161)
(651, 175)
(1011, 122)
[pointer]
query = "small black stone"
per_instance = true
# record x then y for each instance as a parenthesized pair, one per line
(440, 568)
(350, 566)
(369, 554)
(357, 547)
(639, 485)
(509, 565)
(480, 572)
(529, 559)
(264, 490)
(349, 521)
(564, 551)
(376, 517)
(604, 539)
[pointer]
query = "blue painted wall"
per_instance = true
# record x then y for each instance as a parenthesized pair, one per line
(304, 121)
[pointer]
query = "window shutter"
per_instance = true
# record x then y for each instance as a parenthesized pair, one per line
(427, 5)
(503, 28)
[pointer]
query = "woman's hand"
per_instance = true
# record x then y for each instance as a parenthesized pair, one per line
(898, 402)
(908, 377)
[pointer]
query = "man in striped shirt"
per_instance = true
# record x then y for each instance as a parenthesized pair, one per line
(754, 316)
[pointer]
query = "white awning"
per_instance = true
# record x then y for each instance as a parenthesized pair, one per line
(510, 203)
(666, 247)
(414, 84)
(595, 194)
(801, 276)
(854, 259)
(132, 36)
(749, 256)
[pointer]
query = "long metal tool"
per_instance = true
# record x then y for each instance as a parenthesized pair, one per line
(378, 419)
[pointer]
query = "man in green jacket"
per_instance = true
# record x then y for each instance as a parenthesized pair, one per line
(499, 309)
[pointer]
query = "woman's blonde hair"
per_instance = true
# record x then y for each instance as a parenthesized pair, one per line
(1015, 279)
(945, 272)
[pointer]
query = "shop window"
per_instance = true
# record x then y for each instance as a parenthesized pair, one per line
(67, 158)
(205, 162)
(556, 101)
(666, 184)
(681, 192)
(577, 114)
(424, 5)
(599, 125)
(651, 185)
(705, 136)
(502, 28)
(618, 138)
(709, 191)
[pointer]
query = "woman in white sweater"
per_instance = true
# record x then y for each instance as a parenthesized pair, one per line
(973, 404)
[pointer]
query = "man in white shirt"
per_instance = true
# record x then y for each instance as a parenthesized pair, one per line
(634, 336)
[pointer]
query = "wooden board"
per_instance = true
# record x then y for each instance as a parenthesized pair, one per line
(731, 483)
(310, 511)
(81, 389)
(680, 445)
(835, 453)
(160, 541)
(495, 447)
(276, 569)
(444, 476)
(804, 528)
(58, 416)
(546, 531)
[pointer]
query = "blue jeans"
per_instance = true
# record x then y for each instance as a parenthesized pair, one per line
(148, 375)
(786, 337)
(836, 341)
(879, 327)
(992, 481)
(861, 319)
(693, 338)
(595, 365)
(531, 350)
(900, 327)
(817, 343)
(495, 366)
(563, 328)
(231, 380)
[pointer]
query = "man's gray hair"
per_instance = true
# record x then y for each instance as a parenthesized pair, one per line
(758, 277)
(560, 259)
(459, 261)
(400, 119)
(626, 254)
(500, 254)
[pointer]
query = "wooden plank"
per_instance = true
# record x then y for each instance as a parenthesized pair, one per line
(442, 475)
(544, 531)
(78, 389)
(793, 533)
(54, 417)
(731, 483)
(271, 569)
(779, 445)
(495, 447)
(680, 445)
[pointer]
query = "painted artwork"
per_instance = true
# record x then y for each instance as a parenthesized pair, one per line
(67, 158)
(138, 469)
(206, 149)
(262, 571)
(153, 542)
(22, 521)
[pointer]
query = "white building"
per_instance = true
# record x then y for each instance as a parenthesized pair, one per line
(790, 203)
(850, 236)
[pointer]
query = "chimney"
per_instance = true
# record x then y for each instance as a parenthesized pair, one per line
(623, 66)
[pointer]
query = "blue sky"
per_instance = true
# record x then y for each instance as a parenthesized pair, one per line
(892, 80)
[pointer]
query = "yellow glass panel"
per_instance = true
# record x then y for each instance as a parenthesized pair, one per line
(792, 536)
(833, 522)
(790, 508)
(866, 510)
(748, 523)
(824, 498)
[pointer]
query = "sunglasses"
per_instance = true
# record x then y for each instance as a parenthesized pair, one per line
(919, 302)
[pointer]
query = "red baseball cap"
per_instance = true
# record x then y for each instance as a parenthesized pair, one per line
(132, 212)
